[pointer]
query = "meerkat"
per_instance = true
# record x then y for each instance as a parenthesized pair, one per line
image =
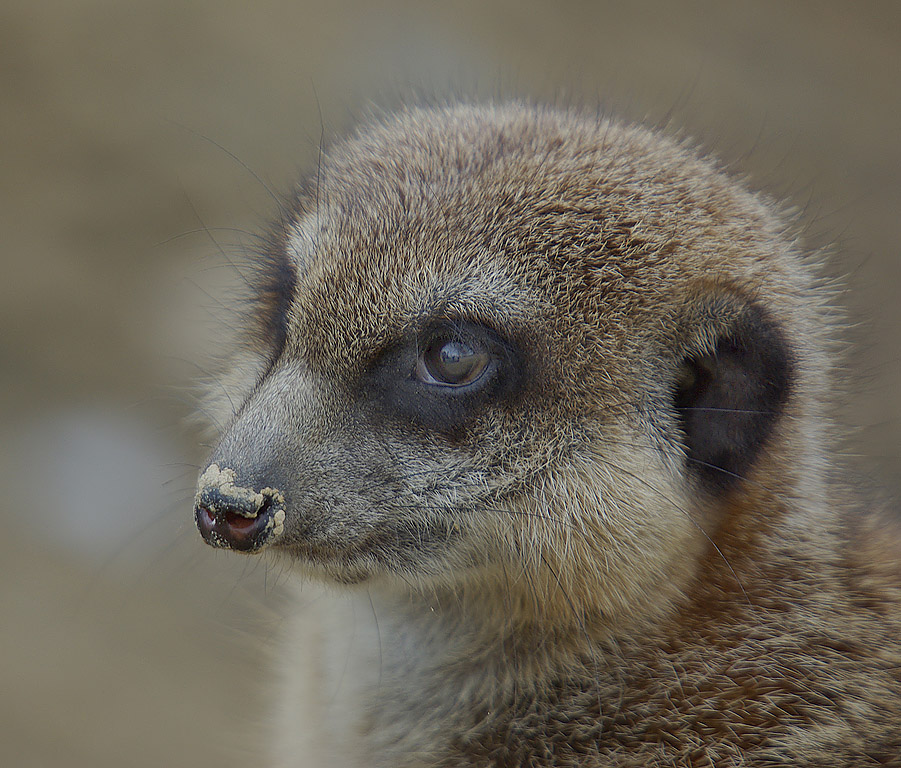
(543, 400)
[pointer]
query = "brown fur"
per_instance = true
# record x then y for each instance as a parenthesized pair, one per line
(554, 579)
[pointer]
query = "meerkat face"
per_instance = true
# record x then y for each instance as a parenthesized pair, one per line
(507, 341)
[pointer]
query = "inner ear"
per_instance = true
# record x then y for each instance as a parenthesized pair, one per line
(730, 399)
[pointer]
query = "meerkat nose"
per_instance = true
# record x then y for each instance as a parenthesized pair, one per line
(227, 526)
(236, 517)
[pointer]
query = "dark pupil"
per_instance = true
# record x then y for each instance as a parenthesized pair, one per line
(452, 362)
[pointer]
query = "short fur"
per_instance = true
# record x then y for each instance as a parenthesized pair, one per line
(628, 544)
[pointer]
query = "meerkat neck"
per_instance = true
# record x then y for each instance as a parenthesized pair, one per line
(537, 632)
(544, 620)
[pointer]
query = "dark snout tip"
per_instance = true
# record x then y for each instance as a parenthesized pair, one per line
(230, 516)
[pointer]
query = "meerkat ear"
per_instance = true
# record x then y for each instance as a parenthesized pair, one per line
(730, 398)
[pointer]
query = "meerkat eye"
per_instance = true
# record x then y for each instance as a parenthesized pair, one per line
(451, 362)
(446, 376)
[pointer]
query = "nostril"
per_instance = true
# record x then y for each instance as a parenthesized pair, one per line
(205, 517)
(237, 522)
(242, 523)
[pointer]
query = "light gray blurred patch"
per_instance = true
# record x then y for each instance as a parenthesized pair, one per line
(92, 479)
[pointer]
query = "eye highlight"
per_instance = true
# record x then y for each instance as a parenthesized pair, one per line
(452, 363)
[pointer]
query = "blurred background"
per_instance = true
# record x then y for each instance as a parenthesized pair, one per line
(139, 141)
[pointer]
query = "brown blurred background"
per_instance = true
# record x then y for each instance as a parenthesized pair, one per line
(124, 640)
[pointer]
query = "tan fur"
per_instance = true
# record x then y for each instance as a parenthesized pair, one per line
(570, 592)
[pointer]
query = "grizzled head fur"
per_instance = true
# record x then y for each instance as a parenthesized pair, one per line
(513, 349)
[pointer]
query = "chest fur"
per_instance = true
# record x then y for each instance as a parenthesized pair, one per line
(371, 689)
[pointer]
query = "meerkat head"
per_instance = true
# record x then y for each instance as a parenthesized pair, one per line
(513, 346)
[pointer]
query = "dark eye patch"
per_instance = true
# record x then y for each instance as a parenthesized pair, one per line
(273, 280)
(396, 389)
